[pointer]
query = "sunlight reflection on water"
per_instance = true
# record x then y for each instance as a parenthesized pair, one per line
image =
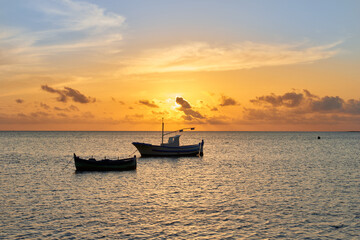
(248, 185)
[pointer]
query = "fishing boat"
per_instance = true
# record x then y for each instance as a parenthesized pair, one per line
(170, 149)
(92, 164)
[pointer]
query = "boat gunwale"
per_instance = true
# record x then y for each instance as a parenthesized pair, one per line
(173, 147)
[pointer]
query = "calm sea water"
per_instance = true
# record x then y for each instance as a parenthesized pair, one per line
(248, 185)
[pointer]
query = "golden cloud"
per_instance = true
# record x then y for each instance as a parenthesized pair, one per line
(201, 56)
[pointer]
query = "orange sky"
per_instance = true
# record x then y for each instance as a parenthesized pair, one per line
(92, 67)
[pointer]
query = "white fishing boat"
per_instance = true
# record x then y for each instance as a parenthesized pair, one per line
(170, 149)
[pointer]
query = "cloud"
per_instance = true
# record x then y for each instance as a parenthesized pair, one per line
(117, 101)
(88, 115)
(68, 109)
(184, 104)
(202, 56)
(73, 108)
(134, 116)
(185, 107)
(218, 120)
(309, 103)
(160, 113)
(263, 115)
(327, 104)
(45, 106)
(78, 15)
(19, 100)
(330, 104)
(302, 108)
(148, 103)
(39, 114)
(227, 101)
(309, 95)
(62, 115)
(67, 93)
(279, 118)
(290, 99)
(61, 109)
(77, 96)
(352, 106)
(42, 120)
(71, 32)
(14, 46)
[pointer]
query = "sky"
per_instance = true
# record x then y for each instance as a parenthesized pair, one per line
(229, 65)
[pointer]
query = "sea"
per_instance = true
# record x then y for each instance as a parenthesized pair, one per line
(248, 185)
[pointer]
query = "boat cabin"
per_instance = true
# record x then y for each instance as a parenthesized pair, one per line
(173, 141)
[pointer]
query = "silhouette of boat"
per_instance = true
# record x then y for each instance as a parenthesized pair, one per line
(92, 164)
(170, 149)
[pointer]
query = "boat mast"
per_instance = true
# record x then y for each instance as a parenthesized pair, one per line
(162, 131)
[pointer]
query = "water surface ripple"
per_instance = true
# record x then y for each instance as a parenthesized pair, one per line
(248, 185)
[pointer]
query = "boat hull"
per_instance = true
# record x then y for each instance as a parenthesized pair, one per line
(149, 150)
(105, 165)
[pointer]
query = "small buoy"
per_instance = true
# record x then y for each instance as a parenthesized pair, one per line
(318, 137)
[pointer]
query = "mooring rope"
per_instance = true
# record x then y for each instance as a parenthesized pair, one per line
(133, 153)
(67, 164)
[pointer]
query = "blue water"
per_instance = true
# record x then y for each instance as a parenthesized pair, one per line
(248, 185)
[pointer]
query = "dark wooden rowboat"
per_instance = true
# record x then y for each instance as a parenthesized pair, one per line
(104, 165)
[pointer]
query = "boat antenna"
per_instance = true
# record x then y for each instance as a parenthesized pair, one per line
(180, 130)
(162, 131)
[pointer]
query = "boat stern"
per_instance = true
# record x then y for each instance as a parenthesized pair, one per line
(201, 152)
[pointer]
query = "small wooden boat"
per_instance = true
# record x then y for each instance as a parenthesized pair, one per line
(104, 165)
(170, 149)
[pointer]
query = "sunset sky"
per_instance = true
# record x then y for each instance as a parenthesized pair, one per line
(270, 65)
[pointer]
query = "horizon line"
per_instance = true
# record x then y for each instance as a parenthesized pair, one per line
(160, 131)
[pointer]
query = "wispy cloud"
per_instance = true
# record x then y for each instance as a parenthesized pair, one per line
(218, 120)
(44, 106)
(69, 27)
(15, 47)
(148, 103)
(64, 95)
(160, 113)
(57, 119)
(78, 16)
(117, 101)
(39, 114)
(227, 101)
(68, 109)
(133, 117)
(202, 56)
